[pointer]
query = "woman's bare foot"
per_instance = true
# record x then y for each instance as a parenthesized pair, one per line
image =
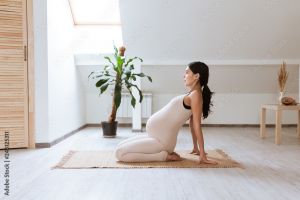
(204, 160)
(175, 153)
(173, 157)
(196, 152)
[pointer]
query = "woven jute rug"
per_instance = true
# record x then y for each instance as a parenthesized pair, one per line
(106, 159)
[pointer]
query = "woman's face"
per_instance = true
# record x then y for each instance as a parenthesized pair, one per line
(189, 77)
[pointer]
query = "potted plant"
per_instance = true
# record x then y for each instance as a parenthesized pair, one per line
(282, 78)
(121, 76)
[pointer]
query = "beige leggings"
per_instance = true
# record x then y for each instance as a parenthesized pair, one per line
(141, 148)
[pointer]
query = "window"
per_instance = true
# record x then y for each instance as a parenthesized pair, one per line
(95, 12)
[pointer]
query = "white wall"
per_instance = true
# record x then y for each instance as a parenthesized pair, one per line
(41, 70)
(167, 34)
(66, 97)
(256, 34)
(60, 100)
(239, 91)
(96, 39)
(211, 29)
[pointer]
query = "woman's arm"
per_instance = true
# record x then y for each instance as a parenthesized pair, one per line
(195, 144)
(196, 104)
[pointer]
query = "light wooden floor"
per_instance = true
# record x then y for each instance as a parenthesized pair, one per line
(272, 172)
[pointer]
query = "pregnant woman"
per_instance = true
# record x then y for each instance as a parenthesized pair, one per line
(163, 126)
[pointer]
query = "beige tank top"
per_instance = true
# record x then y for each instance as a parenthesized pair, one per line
(164, 125)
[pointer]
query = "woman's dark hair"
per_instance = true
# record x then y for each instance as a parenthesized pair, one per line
(203, 70)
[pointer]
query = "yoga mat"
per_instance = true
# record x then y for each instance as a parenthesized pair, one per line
(106, 159)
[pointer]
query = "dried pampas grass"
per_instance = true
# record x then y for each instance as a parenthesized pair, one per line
(282, 76)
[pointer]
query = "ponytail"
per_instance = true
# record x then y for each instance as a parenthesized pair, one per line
(206, 94)
(202, 69)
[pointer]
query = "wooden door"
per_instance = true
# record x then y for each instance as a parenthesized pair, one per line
(13, 74)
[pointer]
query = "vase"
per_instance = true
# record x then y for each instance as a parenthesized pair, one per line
(109, 129)
(281, 94)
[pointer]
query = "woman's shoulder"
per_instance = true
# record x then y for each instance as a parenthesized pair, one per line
(195, 95)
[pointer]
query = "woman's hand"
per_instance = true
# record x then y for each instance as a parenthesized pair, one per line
(204, 160)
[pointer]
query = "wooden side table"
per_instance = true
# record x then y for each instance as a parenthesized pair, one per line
(278, 108)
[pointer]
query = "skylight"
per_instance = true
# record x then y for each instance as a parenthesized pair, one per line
(95, 12)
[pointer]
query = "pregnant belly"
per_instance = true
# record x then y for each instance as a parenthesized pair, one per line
(164, 131)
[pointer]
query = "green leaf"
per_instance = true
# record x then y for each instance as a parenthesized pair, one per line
(139, 59)
(140, 75)
(131, 67)
(109, 60)
(102, 75)
(103, 88)
(149, 78)
(141, 96)
(91, 74)
(116, 50)
(106, 68)
(120, 64)
(143, 75)
(129, 61)
(101, 82)
(132, 59)
(128, 85)
(127, 75)
(127, 72)
(140, 92)
(133, 101)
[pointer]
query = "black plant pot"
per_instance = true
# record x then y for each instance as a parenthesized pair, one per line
(109, 129)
